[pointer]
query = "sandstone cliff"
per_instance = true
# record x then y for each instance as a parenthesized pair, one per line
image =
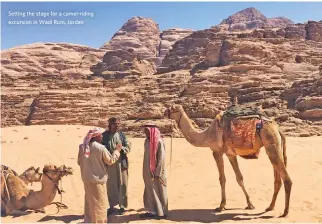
(141, 70)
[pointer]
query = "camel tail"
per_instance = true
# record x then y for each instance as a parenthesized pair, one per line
(284, 148)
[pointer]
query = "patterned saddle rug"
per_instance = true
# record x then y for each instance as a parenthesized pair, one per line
(239, 130)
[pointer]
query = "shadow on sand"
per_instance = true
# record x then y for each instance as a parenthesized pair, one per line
(195, 215)
(63, 218)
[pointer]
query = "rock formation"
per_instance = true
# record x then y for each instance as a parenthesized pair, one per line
(168, 38)
(122, 63)
(141, 70)
(314, 31)
(251, 18)
(142, 35)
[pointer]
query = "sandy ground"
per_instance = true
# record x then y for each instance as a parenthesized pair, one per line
(193, 186)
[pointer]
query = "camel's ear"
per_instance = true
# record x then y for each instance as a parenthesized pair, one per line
(37, 170)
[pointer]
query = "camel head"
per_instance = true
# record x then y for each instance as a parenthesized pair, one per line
(32, 174)
(174, 112)
(55, 172)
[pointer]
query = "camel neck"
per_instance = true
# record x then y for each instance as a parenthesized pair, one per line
(195, 137)
(42, 198)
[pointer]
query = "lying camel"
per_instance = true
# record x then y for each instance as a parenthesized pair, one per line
(269, 136)
(29, 176)
(18, 197)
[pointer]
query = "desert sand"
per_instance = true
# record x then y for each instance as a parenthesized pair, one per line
(193, 186)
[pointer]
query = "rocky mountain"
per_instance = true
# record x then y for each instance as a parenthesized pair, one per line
(251, 18)
(140, 34)
(142, 69)
(245, 16)
(143, 37)
(279, 22)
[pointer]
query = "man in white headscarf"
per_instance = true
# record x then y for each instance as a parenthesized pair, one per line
(92, 159)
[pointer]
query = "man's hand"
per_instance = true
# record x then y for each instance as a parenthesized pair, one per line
(118, 147)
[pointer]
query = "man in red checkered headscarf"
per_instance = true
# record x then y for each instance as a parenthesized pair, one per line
(154, 174)
(92, 159)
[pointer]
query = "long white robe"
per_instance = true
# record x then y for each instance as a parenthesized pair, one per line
(155, 193)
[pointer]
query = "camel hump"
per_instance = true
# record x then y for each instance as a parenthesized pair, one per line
(8, 169)
(12, 187)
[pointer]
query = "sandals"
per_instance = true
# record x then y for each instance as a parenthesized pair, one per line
(151, 216)
(121, 211)
(147, 215)
(111, 211)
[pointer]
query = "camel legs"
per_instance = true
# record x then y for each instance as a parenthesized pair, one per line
(273, 146)
(218, 156)
(277, 187)
(7, 208)
(239, 178)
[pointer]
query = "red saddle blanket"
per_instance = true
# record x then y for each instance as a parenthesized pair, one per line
(240, 134)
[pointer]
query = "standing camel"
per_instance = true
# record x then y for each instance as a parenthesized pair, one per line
(269, 136)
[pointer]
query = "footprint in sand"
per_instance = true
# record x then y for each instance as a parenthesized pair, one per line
(309, 205)
(319, 218)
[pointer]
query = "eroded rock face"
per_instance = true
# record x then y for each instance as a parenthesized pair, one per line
(191, 50)
(314, 31)
(296, 31)
(251, 18)
(209, 48)
(140, 34)
(245, 19)
(246, 51)
(48, 58)
(143, 38)
(306, 97)
(277, 69)
(28, 69)
(124, 62)
(310, 31)
(168, 38)
(279, 22)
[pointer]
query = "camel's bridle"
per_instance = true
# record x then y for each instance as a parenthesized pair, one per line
(172, 127)
(60, 204)
(169, 116)
(56, 184)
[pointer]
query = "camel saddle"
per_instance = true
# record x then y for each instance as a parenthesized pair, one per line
(239, 124)
(240, 111)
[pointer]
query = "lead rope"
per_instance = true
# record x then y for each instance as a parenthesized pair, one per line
(60, 205)
(171, 142)
(61, 190)
(6, 175)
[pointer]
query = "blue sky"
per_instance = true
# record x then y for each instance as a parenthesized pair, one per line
(110, 16)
